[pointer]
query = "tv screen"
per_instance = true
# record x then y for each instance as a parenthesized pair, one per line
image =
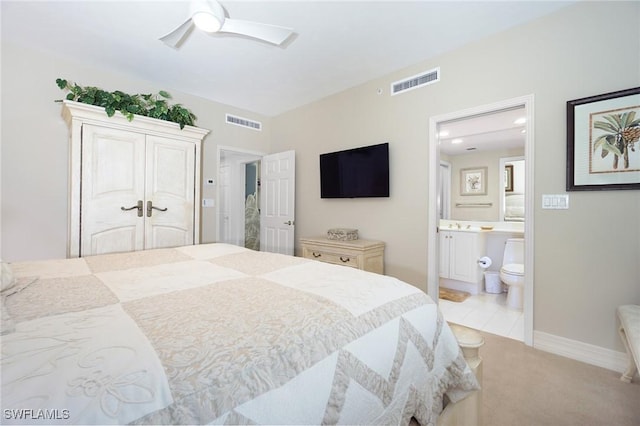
(355, 173)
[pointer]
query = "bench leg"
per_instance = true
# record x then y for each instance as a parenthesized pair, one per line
(627, 376)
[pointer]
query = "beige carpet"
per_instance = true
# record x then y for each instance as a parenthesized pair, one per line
(525, 386)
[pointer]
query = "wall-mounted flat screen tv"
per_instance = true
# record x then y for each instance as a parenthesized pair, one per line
(355, 173)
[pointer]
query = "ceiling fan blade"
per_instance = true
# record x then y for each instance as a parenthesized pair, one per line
(175, 37)
(269, 33)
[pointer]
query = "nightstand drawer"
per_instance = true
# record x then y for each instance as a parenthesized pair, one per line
(324, 256)
(362, 254)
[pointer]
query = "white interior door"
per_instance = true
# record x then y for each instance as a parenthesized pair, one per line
(277, 214)
(113, 188)
(170, 193)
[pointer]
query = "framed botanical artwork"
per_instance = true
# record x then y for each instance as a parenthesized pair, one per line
(508, 178)
(473, 181)
(603, 152)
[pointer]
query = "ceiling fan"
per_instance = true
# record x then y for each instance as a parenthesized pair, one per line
(209, 16)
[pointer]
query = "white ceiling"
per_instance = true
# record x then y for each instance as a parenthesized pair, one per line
(337, 45)
(497, 130)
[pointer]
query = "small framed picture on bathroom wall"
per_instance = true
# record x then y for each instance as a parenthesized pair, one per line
(603, 142)
(473, 181)
(508, 178)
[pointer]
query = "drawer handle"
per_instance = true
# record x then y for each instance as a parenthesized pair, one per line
(316, 255)
(345, 260)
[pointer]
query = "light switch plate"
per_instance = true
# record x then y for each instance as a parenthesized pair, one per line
(555, 201)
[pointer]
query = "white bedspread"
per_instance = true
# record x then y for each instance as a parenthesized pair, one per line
(220, 334)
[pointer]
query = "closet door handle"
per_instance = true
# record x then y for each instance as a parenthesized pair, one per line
(151, 207)
(137, 206)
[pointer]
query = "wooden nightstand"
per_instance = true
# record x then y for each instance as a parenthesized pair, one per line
(362, 254)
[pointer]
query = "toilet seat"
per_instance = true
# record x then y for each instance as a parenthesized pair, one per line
(516, 269)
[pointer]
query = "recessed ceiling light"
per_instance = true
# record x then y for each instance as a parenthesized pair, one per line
(456, 141)
(520, 120)
(443, 134)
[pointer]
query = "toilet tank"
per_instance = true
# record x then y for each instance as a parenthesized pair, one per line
(513, 251)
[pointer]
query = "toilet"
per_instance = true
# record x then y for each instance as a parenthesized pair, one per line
(512, 272)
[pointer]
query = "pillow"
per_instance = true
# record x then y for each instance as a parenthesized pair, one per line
(8, 280)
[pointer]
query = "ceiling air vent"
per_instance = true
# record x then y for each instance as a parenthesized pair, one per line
(420, 80)
(243, 122)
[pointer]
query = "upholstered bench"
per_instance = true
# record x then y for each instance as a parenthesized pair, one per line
(629, 316)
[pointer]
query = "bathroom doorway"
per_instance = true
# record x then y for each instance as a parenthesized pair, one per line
(435, 187)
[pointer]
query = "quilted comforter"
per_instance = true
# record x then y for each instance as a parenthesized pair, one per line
(220, 334)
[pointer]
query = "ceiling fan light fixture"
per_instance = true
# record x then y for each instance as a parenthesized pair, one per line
(210, 17)
(206, 21)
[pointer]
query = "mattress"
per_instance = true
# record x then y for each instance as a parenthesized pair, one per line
(220, 334)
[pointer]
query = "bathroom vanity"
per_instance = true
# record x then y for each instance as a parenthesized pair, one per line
(460, 251)
(463, 243)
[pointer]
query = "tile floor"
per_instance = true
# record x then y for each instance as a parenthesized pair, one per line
(486, 312)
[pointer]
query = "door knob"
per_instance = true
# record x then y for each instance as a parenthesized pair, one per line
(290, 222)
(137, 206)
(151, 207)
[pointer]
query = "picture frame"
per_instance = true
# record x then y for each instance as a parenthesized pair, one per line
(603, 142)
(473, 181)
(508, 178)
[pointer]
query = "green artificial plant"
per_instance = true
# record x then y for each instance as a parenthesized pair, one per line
(148, 105)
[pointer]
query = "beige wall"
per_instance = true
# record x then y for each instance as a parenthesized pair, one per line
(35, 152)
(587, 258)
(490, 160)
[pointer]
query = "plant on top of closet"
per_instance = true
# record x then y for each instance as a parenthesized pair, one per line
(148, 105)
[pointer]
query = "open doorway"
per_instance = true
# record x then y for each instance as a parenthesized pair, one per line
(252, 205)
(433, 273)
(238, 197)
(256, 200)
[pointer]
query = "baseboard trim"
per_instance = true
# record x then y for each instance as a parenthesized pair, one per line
(585, 352)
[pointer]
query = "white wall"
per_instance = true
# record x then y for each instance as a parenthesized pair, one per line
(35, 147)
(587, 258)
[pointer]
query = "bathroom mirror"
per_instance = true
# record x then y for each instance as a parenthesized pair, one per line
(485, 152)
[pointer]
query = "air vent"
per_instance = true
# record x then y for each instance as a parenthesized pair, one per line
(420, 80)
(243, 122)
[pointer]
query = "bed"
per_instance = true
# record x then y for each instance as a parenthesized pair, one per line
(220, 334)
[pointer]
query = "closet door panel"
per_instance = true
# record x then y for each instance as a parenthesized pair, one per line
(170, 185)
(112, 179)
(116, 164)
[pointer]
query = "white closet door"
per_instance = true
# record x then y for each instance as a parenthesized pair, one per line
(170, 190)
(112, 179)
